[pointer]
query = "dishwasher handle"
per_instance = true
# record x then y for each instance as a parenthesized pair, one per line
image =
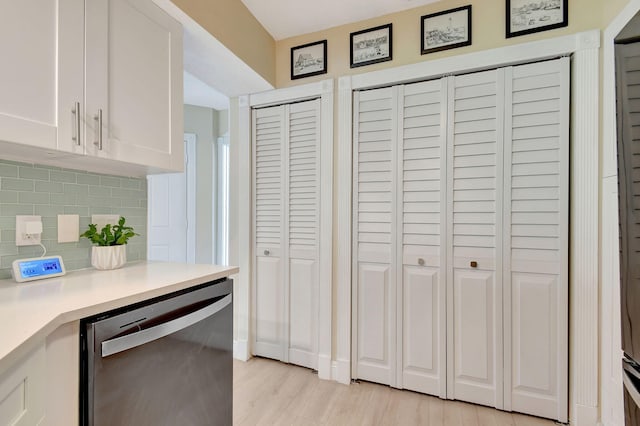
(130, 341)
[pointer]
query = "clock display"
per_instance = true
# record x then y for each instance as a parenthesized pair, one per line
(37, 268)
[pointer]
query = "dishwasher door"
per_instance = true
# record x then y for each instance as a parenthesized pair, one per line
(166, 362)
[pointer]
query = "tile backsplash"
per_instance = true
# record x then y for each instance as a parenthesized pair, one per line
(28, 189)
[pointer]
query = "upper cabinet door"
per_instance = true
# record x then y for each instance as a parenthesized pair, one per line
(134, 83)
(41, 77)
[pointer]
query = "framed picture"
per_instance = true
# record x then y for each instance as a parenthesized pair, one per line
(446, 30)
(532, 16)
(371, 46)
(309, 59)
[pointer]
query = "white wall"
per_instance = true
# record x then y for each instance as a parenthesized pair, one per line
(204, 123)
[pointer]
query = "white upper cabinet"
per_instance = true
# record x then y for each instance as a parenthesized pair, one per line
(76, 65)
(41, 77)
(133, 83)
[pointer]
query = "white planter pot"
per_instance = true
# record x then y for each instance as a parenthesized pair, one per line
(109, 257)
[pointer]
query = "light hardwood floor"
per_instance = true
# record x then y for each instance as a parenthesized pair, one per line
(267, 392)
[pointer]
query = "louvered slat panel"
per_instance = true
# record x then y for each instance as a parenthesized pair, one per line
(304, 174)
(475, 163)
(268, 142)
(535, 168)
(374, 171)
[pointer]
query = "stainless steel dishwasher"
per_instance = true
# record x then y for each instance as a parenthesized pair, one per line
(167, 361)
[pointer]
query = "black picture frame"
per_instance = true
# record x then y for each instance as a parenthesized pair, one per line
(309, 59)
(371, 46)
(533, 16)
(446, 30)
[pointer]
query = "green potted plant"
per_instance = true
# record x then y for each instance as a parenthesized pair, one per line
(109, 251)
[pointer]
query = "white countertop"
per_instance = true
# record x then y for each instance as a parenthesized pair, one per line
(31, 311)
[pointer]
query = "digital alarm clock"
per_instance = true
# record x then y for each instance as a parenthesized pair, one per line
(37, 268)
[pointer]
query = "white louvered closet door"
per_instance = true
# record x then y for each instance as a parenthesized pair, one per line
(536, 194)
(303, 231)
(475, 228)
(270, 244)
(374, 168)
(421, 237)
(286, 145)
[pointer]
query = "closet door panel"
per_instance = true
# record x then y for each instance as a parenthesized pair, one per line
(422, 362)
(268, 308)
(303, 231)
(536, 243)
(303, 322)
(374, 323)
(375, 136)
(268, 143)
(475, 352)
(474, 226)
(422, 209)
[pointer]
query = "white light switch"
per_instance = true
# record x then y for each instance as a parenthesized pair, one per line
(68, 228)
(100, 220)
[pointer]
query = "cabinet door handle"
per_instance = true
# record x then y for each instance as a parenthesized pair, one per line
(267, 252)
(76, 115)
(421, 262)
(473, 264)
(98, 118)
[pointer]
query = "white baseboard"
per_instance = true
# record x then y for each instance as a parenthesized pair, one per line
(341, 371)
(324, 367)
(241, 350)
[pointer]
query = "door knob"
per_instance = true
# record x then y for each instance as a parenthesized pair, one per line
(267, 252)
(421, 262)
(473, 264)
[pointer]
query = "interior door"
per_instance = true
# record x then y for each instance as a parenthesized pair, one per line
(421, 236)
(172, 219)
(269, 243)
(303, 214)
(374, 168)
(536, 254)
(476, 111)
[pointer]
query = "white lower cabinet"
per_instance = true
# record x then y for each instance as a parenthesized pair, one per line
(286, 234)
(460, 240)
(23, 391)
(42, 388)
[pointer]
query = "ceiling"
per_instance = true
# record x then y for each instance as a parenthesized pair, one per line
(286, 18)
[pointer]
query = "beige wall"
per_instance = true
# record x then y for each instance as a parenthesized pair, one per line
(231, 23)
(488, 23)
(611, 9)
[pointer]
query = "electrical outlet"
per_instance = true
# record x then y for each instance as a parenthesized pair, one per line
(28, 230)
